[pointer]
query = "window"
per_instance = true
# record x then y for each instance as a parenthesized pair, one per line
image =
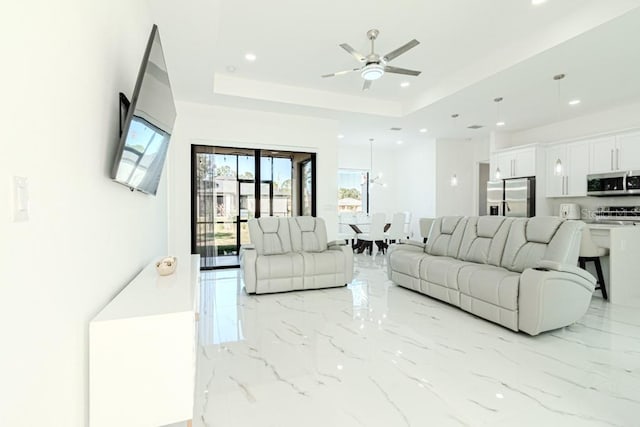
(353, 190)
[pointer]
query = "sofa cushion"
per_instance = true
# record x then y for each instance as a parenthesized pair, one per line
(406, 262)
(308, 234)
(270, 235)
(527, 244)
(445, 236)
(279, 266)
(442, 271)
(542, 229)
(484, 239)
(490, 284)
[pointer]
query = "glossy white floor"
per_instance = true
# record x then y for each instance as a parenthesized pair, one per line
(375, 354)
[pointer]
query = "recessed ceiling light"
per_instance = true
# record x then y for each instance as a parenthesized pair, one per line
(500, 124)
(405, 84)
(250, 57)
(399, 142)
(340, 136)
(574, 102)
(538, 2)
(423, 130)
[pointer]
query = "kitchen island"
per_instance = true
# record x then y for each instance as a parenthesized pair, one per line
(621, 268)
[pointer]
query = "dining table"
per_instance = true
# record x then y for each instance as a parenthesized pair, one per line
(360, 245)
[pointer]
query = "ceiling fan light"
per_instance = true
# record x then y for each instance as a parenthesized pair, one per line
(372, 72)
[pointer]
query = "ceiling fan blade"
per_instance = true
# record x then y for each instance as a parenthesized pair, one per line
(402, 49)
(367, 84)
(396, 70)
(360, 57)
(339, 73)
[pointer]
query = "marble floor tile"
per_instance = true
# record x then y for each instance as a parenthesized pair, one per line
(375, 354)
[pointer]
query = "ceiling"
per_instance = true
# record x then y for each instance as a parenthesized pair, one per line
(470, 53)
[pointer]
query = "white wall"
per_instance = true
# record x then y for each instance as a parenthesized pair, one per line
(212, 125)
(64, 63)
(460, 157)
(415, 177)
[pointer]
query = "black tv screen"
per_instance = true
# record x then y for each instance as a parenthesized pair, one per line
(148, 124)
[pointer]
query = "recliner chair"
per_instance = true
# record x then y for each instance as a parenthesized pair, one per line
(289, 254)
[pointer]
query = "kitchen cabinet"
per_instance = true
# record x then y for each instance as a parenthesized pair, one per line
(567, 166)
(615, 153)
(516, 163)
(628, 154)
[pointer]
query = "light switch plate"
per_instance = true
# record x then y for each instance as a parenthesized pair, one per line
(20, 199)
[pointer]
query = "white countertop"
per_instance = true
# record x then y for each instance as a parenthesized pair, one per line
(601, 226)
(161, 294)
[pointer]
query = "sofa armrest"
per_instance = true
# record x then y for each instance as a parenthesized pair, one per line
(248, 257)
(552, 295)
(337, 243)
(567, 268)
(348, 259)
(412, 243)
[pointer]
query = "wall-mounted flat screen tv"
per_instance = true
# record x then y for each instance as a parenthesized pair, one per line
(147, 125)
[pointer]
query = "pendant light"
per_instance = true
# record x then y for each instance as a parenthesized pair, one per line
(499, 121)
(454, 177)
(558, 167)
(378, 178)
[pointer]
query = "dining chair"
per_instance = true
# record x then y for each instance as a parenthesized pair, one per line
(397, 229)
(407, 224)
(425, 228)
(375, 234)
(345, 232)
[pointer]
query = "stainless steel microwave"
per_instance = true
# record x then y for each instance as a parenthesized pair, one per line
(613, 184)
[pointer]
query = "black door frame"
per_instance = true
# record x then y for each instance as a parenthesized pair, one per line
(257, 153)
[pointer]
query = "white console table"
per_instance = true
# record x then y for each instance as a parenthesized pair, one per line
(142, 350)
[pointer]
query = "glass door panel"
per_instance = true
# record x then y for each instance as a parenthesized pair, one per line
(305, 188)
(247, 209)
(266, 195)
(282, 182)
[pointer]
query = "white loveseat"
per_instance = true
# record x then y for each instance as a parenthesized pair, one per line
(293, 253)
(520, 273)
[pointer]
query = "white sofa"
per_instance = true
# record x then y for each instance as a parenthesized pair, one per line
(520, 273)
(293, 253)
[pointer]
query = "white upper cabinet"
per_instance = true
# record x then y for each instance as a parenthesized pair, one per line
(505, 166)
(577, 169)
(524, 163)
(603, 151)
(515, 163)
(628, 151)
(615, 153)
(566, 169)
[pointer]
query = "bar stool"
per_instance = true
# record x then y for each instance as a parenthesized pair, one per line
(590, 252)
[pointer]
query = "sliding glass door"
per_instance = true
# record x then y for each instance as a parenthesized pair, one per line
(230, 186)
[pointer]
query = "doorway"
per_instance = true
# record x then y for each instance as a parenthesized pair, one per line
(483, 178)
(231, 186)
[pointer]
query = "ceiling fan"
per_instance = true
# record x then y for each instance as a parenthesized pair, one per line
(375, 65)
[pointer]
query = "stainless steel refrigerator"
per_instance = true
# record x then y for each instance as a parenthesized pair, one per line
(495, 198)
(512, 197)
